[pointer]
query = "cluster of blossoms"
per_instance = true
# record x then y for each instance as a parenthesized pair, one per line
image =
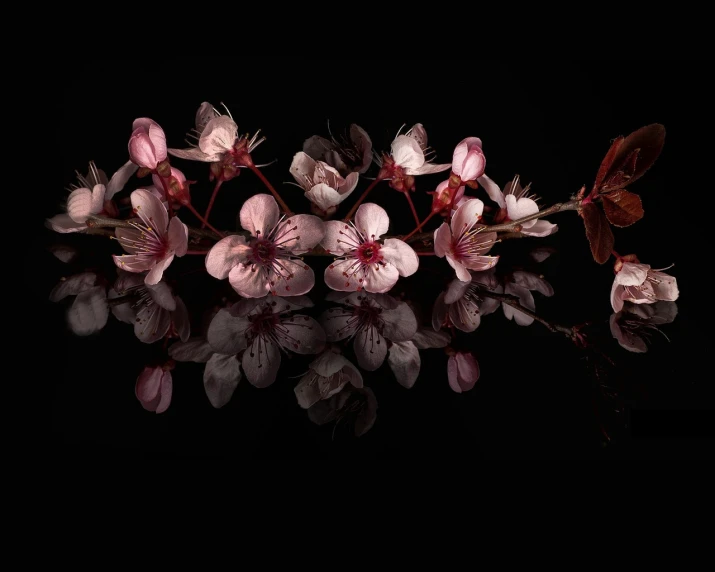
(265, 264)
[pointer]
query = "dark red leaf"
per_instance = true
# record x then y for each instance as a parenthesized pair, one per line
(598, 232)
(634, 156)
(606, 164)
(622, 208)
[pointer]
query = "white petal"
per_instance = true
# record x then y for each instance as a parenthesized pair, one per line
(221, 377)
(404, 360)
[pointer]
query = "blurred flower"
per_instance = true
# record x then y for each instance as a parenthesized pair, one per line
(147, 145)
(352, 155)
(154, 388)
(462, 371)
(635, 323)
(89, 311)
(352, 406)
(639, 284)
(323, 185)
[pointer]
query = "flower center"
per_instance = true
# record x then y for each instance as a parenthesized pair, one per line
(263, 251)
(264, 323)
(369, 252)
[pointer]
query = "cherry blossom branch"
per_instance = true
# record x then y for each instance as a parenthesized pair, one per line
(351, 212)
(96, 222)
(513, 301)
(515, 225)
(268, 185)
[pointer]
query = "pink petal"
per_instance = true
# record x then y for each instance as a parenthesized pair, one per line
(141, 150)
(467, 216)
(370, 349)
(632, 274)
(259, 214)
(339, 237)
(456, 290)
(461, 271)
(439, 312)
(63, 223)
(119, 179)
(162, 295)
(348, 186)
(378, 278)
(665, 287)
(492, 190)
(328, 363)
(261, 362)
(227, 333)
(157, 271)
(465, 316)
(197, 350)
(148, 384)
(194, 154)
(205, 113)
(400, 323)
(540, 228)
(301, 233)
(89, 311)
(305, 335)
(473, 166)
(519, 208)
(181, 320)
(404, 361)
(177, 237)
(468, 369)
(407, 152)
(335, 278)
(302, 167)
(248, 283)
(419, 134)
(428, 169)
(401, 256)
(158, 140)
(221, 377)
(150, 210)
(372, 221)
(618, 292)
(301, 281)
(218, 136)
(64, 253)
(453, 374)
(461, 151)
(225, 254)
(532, 281)
(442, 240)
(128, 237)
(82, 203)
(132, 263)
(525, 299)
(324, 196)
(151, 324)
(73, 285)
(166, 390)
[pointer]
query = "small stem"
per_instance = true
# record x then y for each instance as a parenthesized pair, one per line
(412, 207)
(211, 200)
(361, 199)
(203, 220)
(515, 225)
(420, 225)
(513, 301)
(268, 185)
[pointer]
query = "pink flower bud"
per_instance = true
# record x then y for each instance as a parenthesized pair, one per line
(462, 371)
(147, 145)
(468, 161)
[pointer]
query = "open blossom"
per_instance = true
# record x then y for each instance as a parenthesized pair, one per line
(461, 302)
(369, 319)
(215, 135)
(153, 240)
(323, 185)
(147, 145)
(515, 203)
(354, 407)
(346, 156)
(93, 196)
(327, 375)
(154, 388)
(89, 310)
(639, 284)
(269, 262)
(364, 261)
(462, 371)
(261, 329)
(468, 161)
(464, 243)
(635, 323)
(154, 311)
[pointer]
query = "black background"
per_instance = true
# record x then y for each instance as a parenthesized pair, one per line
(551, 122)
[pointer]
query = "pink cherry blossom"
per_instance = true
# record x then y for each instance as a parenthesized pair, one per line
(639, 284)
(635, 323)
(327, 375)
(353, 155)
(461, 302)
(261, 329)
(153, 240)
(515, 203)
(462, 371)
(89, 310)
(154, 388)
(364, 261)
(465, 243)
(215, 135)
(521, 284)
(354, 407)
(369, 319)
(147, 145)
(154, 311)
(468, 161)
(269, 262)
(410, 152)
(93, 196)
(323, 185)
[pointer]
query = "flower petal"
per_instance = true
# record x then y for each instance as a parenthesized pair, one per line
(439, 312)
(401, 256)
(303, 166)
(307, 392)
(157, 271)
(302, 335)
(404, 360)
(632, 274)
(468, 369)
(177, 237)
(328, 363)
(324, 196)
(248, 283)
(428, 169)
(151, 323)
(299, 233)
(540, 228)
(339, 237)
(407, 153)
(162, 295)
(132, 263)
(456, 291)
(525, 299)
(467, 216)
(73, 285)
(259, 214)
(519, 208)
(426, 338)
(119, 179)
(492, 190)
(370, 349)
(148, 384)
(618, 293)
(197, 350)
(301, 279)
(665, 286)
(194, 154)
(221, 377)
(442, 240)
(82, 203)
(378, 278)
(372, 221)
(348, 186)
(461, 270)
(337, 323)
(461, 151)
(150, 209)
(261, 362)
(63, 223)
(219, 135)
(532, 281)
(158, 140)
(89, 311)
(400, 323)
(227, 333)
(181, 321)
(465, 315)
(225, 255)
